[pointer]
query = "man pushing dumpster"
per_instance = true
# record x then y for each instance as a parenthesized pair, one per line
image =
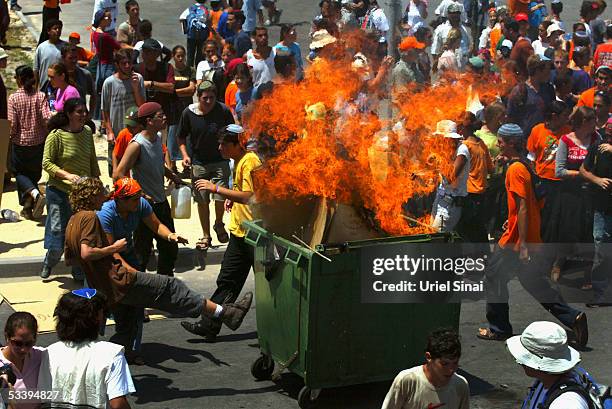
(238, 257)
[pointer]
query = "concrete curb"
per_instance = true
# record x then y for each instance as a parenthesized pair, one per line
(188, 259)
(26, 22)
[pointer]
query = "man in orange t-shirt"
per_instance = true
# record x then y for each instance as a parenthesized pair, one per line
(518, 253)
(603, 53)
(472, 225)
(542, 146)
(603, 80)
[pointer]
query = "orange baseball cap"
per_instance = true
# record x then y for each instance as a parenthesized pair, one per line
(75, 35)
(410, 42)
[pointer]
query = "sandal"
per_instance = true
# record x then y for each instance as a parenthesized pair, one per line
(555, 274)
(204, 243)
(222, 235)
(488, 335)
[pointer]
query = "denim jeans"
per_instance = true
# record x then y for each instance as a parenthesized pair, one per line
(503, 265)
(156, 291)
(102, 73)
(602, 262)
(58, 214)
(173, 146)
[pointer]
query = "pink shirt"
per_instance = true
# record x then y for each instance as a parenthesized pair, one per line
(62, 96)
(28, 379)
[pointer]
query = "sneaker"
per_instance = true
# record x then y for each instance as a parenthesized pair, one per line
(45, 273)
(234, 313)
(39, 206)
(268, 22)
(16, 7)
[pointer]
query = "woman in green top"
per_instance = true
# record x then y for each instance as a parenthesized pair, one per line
(69, 155)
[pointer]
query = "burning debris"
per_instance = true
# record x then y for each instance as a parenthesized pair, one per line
(324, 140)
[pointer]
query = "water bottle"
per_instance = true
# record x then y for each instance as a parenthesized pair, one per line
(51, 97)
(9, 215)
(181, 202)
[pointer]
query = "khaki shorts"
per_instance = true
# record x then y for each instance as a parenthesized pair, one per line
(216, 172)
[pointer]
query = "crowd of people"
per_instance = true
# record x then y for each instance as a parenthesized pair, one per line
(531, 166)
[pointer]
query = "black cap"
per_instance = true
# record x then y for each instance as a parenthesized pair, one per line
(151, 44)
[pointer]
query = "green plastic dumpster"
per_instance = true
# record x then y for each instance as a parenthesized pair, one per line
(310, 319)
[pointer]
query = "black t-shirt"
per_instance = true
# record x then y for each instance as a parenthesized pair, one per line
(600, 164)
(203, 130)
(164, 72)
(182, 78)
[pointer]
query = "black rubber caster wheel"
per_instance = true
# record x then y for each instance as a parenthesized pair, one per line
(262, 368)
(307, 398)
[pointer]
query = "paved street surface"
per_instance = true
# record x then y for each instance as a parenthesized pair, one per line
(184, 372)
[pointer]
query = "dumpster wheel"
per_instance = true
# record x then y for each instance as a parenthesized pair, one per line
(262, 368)
(307, 397)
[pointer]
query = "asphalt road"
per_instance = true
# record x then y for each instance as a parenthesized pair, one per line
(184, 372)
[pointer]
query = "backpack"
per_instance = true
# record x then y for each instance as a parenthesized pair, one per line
(597, 396)
(196, 26)
(538, 185)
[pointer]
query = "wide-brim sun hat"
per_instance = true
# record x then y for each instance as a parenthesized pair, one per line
(554, 27)
(321, 38)
(447, 129)
(543, 346)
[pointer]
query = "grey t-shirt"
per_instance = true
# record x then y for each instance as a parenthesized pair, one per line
(45, 56)
(120, 93)
(149, 168)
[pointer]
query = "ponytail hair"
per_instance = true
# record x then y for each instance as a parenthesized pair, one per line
(60, 69)
(61, 120)
(25, 76)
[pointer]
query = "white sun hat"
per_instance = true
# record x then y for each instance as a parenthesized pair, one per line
(447, 129)
(543, 346)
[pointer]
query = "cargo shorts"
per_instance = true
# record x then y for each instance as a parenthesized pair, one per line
(216, 172)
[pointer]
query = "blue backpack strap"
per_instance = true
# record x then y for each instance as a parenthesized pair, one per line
(565, 385)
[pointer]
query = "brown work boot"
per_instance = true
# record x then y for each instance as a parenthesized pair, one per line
(234, 313)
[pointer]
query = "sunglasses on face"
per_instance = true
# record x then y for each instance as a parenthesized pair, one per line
(22, 344)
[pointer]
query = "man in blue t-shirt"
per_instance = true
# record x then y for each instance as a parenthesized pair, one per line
(120, 218)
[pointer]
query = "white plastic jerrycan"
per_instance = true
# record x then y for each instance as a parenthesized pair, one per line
(181, 202)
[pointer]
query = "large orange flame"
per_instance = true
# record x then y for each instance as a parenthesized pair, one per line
(337, 152)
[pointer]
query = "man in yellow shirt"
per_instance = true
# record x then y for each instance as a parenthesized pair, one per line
(238, 257)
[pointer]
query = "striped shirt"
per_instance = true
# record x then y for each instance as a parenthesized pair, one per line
(28, 113)
(71, 152)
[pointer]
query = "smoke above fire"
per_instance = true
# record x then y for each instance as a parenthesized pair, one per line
(323, 144)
